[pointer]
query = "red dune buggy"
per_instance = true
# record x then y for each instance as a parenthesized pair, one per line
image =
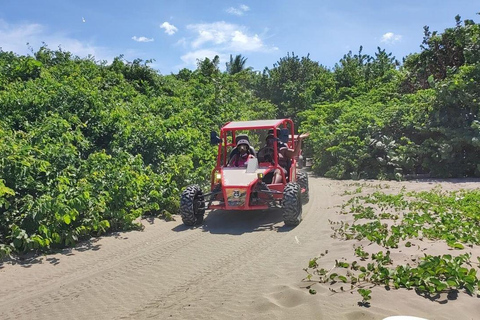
(251, 186)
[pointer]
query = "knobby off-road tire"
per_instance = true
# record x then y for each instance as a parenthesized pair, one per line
(192, 205)
(300, 163)
(302, 180)
(292, 204)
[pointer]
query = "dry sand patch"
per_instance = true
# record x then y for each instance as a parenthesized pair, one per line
(238, 265)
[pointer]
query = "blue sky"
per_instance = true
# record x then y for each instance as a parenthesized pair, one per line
(178, 32)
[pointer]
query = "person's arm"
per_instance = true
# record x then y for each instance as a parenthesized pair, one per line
(292, 153)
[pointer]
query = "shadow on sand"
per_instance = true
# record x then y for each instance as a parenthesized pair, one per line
(240, 222)
(29, 259)
(440, 298)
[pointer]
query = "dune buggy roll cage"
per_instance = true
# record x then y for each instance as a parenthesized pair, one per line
(286, 126)
(255, 185)
(282, 130)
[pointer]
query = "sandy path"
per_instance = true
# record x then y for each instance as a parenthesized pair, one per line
(242, 265)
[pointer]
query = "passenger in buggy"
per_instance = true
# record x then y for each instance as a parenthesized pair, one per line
(285, 155)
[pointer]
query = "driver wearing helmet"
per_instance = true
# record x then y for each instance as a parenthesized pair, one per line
(240, 158)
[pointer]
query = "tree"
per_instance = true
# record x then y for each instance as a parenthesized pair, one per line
(442, 54)
(295, 83)
(236, 65)
(208, 67)
(350, 74)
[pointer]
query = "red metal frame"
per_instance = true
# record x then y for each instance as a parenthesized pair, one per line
(233, 127)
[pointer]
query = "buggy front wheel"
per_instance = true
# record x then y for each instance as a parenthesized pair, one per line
(192, 205)
(292, 204)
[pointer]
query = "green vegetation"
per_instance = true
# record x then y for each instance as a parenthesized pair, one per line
(386, 121)
(393, 221)
(435, 215)
(87, 146)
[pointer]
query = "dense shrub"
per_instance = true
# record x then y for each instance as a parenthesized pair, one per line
(420, 119)
(86, 147)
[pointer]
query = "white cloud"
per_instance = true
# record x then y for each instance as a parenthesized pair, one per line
(242, 42)
(16, 36)
(235, 11)
(170, 29)
(226, 37)
(181, 42)
(142, 39)
(238, 11)
(222, 39)
(216, 32)
(391, 37)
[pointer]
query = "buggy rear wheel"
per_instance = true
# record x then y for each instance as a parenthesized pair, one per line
(192, 205)
(302, 180)
(292, 204)
(300, 162)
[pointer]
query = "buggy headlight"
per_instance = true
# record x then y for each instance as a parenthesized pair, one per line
(260, 175)
(218, 176)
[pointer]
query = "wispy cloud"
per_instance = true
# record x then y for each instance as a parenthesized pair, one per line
(242, 42)
(226, 37)
(239, 11)
(181, 42)
(391, 38)
(170, 29)
(142, 39)
(15, 37)
(222, 39)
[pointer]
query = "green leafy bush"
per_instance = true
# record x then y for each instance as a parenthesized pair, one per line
(86, 147)
(420, 119)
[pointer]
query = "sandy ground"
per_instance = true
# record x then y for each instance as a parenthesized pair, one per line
(239, 265)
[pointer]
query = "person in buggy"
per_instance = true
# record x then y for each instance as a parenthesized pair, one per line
(242, 153)
(285, 154)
